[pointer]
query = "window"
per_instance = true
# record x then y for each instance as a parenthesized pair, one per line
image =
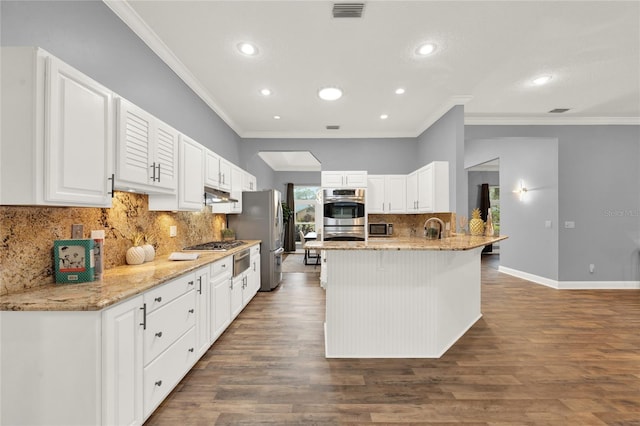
(305, 209)
(494, 201)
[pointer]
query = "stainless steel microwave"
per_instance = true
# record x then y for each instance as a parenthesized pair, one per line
(380, 229)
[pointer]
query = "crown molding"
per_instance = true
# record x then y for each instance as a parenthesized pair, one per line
(130, 17)
(470, 120)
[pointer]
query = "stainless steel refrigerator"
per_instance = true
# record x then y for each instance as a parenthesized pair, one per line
(261, 219)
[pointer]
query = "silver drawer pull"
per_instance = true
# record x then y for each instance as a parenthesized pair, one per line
(159, 383)
(190, 283)
(159, 334)
(191, 311)
(190, 349)
(158, 299)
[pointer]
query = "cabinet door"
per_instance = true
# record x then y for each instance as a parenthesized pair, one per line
(123, 363)
(357, 179)
(395, 193)
(425, 189)
(79, 138)
(332, 179)
(255, 273)
(221, 304)
(203, 333)
(166, 156)
(236, 188)
(376, 194)
(225, 175)
(134, 144)
(236, 295)
(248, 182)
(191, 188)
(412, 192)
(212, 169)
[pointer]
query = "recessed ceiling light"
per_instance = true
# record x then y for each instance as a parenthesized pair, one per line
(330, 93)
(384, 116)
(265, 92)
(426, 49)
(247, 49)
(276, 117)
(399, 91)
(543, 79)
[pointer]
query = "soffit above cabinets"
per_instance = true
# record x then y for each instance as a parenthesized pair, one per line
(486, 55)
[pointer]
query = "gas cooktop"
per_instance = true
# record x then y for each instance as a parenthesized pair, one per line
(215, 246)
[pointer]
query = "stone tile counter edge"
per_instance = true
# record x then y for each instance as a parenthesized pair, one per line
(458, 242)
(118, 284)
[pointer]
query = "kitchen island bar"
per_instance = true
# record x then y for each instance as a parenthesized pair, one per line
(400, 298)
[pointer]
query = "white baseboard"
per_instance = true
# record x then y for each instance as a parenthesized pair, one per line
(572, 285)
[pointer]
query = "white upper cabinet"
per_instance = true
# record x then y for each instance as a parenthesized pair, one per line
(147, 151)
(217, 171)
(57, 133)
(428, 188)
(236, 188)
(386, 194)
(249, 182)
(190, 194)
(344, 179)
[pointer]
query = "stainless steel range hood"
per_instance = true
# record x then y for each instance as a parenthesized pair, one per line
(216, 196)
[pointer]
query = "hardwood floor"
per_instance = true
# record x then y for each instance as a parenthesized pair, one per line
(538, 356)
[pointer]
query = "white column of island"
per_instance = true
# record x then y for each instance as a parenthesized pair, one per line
(400, 298)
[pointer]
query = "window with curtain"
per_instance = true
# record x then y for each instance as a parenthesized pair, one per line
(305, 209)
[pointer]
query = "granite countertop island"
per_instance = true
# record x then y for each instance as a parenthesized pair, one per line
(457, 242)
(117, 284)
(400, 297)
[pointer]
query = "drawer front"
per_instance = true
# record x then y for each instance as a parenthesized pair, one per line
(255, 251)
(166, 324)
(162, 295)
(222, 266)
(163, 374)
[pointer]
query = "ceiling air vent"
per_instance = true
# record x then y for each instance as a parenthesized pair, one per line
(559, 110)
(333, 127)
(348, 10)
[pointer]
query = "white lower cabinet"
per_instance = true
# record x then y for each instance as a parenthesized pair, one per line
(220, 304)
(123, 334)
(115, 366)
(164, 373)
(203, 310)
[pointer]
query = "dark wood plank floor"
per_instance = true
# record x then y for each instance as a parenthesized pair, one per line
(538, 356)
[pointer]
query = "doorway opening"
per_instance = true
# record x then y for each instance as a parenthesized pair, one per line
(486, 173)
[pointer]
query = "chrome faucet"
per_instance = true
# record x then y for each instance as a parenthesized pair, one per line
(426, 222)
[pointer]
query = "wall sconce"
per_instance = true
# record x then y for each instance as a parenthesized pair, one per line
(521, 191)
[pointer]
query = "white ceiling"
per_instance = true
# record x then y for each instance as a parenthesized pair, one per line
(291, 161)
(487, 54)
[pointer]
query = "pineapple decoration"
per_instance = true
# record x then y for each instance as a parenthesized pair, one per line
(136, 254)
(476, 225)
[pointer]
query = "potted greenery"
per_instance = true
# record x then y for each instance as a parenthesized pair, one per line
(228, 234)
(287, 213)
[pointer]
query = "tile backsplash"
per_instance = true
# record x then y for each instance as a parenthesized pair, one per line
(27, 234)
(403, 224)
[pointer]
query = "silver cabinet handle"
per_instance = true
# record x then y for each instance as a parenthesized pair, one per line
(190, 283)
(158, 299)
(159, 334)
(159, 383)
(144, 316)
(191, 311)
(190, 349)
(158, 172)
(113, 184)
(200, 284)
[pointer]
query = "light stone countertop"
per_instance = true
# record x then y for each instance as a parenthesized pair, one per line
(458, 242)
(117, 284)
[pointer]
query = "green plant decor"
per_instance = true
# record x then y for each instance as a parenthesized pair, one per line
(228, 234)
(287, 213)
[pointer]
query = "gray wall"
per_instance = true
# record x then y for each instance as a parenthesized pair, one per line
(598, 178)
(531, 247)
(91, 38)
(297, 178)
(444, 141)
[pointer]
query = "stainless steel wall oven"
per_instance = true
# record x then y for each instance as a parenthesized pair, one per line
(344, 214)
